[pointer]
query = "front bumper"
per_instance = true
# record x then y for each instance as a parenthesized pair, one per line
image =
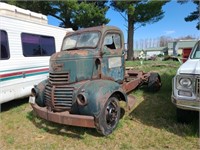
(64, 117)
(193, 105)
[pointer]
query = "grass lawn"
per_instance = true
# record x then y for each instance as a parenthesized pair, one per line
(150, 125)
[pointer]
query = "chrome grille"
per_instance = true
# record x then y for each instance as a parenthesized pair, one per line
(58, 97)
(197, 87)
(58, 78)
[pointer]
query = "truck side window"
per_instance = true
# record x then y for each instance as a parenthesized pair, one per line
(197, 52)
(37, 45)
(5, 53)
(112, 41)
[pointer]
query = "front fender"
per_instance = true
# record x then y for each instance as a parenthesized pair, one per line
(97, 93)
(40, 88)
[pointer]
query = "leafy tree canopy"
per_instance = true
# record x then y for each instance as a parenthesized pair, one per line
(138, 13)
(193, 16)
(72, 13)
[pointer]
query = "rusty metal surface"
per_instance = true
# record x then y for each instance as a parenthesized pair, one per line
(97, 93)
(134, 78)
(64, 117)
(102, 29)
(131, 102)
(79, 52)
(59, 97)
(131, 85)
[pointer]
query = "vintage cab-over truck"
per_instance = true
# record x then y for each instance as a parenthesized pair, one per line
(87, 79)
(186, 86)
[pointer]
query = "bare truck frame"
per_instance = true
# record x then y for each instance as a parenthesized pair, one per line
(87, 79)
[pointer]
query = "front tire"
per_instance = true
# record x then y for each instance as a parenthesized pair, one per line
(183, 116)
(109, 117)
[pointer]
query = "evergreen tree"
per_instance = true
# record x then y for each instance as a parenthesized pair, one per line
(138, 13)
(193, 16)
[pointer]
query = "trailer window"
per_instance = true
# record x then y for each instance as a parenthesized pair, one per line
(37, 45)
(5, 54)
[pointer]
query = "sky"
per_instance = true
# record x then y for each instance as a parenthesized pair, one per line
(172, 25)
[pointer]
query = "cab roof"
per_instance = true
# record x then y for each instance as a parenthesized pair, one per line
(101, 29)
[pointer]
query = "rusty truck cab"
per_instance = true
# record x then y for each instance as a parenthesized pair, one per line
(92, 53)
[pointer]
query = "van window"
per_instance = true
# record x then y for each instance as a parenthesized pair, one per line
(37, 45)
(5, 53)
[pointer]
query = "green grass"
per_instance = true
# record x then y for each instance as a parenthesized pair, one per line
(150, 125)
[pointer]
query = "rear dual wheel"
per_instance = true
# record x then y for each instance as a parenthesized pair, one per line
(154, 82)
(109, 116)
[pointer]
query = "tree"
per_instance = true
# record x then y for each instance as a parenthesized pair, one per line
(193, 15)
(72, 13)
(164, 40)
(138, 13)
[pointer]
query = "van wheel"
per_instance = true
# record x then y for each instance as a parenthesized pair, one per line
(109, 116)
(154, 82)
(183, 116)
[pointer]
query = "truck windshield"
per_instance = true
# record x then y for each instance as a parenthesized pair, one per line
(83, 40)
(196, 51)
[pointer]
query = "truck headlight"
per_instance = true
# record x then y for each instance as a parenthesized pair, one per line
(34, 92)
(81, 99)
(185, 82)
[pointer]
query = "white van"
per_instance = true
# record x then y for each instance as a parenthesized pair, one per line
(186, 86)
(27, 42)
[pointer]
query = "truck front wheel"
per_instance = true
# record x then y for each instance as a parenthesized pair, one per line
(183, 116)
(109, 116)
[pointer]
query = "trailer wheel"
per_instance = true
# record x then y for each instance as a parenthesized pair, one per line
(154, 82)
(109, 117)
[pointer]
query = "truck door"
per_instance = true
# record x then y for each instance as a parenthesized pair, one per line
(112, 58)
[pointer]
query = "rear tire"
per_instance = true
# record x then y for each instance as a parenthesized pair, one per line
(154, 82)
(109, 117)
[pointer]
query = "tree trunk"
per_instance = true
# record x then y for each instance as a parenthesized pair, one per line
(130, 39)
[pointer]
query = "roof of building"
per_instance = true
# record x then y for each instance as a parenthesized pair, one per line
(182, 44)
(152, 49)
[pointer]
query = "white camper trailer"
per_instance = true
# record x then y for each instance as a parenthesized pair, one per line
(27, 42)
